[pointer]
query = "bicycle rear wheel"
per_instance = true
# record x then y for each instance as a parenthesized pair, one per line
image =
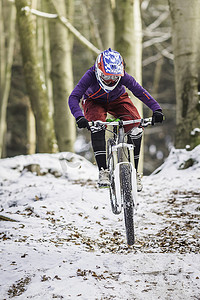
(128, 204)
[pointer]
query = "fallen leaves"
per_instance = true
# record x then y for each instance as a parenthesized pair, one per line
(19, 287)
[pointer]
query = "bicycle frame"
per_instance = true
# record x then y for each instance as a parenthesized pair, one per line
(120, 145)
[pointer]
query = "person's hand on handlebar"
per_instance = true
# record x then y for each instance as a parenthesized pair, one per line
(82, 122)
(157, 117)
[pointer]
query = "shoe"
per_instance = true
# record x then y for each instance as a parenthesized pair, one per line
(103, 181)
(139, 182)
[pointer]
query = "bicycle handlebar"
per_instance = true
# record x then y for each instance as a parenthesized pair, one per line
(142, 122)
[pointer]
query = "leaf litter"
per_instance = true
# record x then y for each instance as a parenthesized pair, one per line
(67, 244)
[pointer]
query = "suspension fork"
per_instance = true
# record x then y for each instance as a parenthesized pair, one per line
(120, 141)
(117, 150)
(119, 132)
(131, 154)
(114, 150)
(130, 147)
(117, 165)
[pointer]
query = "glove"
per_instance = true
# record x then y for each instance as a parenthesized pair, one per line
(157, 116)
(82, 122)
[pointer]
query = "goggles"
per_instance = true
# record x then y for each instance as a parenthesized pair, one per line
(109, 77)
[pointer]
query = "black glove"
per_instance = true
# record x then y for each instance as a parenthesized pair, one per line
(82, 122)
(157, 116)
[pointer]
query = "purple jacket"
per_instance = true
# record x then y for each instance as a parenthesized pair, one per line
(88, 87)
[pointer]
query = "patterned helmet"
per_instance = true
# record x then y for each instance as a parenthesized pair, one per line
(109, 69)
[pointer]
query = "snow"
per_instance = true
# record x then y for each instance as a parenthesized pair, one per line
(195, 130)
(67, 244)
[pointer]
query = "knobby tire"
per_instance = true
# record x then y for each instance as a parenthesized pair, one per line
(128, 205)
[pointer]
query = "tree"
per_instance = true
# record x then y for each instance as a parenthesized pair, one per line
(128, 35)
(104, 11)
(128, 41)
(158, 79)
(62, 79)
(43, 51)
(185, 18)
(61, 74)
(6, 59)
(46, 141)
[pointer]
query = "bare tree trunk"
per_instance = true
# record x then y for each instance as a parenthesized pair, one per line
(185, 33)
(46, 141)
(157, 76)
(62, 78)
(128, 35)
(70, 15)
(43, 50)
(6, 59)
(103, 11)
(128, 41)
(65, 22)
(128, 38)
(31, 136)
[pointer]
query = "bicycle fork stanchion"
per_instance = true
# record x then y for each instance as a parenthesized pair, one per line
(133, 174)
(117, 165)
(116, 179)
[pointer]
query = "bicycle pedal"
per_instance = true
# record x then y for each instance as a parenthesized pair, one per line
(103, 186)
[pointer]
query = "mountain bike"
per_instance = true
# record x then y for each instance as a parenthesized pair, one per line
(121, 166)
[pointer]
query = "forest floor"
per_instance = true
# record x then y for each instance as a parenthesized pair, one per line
(59, 238)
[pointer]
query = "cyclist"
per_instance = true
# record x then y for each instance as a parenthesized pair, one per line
(102, 91)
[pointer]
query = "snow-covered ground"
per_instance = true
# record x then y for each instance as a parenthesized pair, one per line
(65, 242)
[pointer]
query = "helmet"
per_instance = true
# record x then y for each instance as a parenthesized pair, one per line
(109, 69)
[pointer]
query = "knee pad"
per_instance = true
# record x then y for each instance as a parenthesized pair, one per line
(135, 133)
(98, 135)
(97, 128)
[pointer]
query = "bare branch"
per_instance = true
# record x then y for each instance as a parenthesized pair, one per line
(151, 59)
(162, 52)
(165, 51)
(64, 21)
(158, 21)
(39, 13)
(145, 4)
(157, 33)
(157, 40)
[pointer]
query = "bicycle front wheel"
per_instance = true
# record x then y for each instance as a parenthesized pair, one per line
(128, 204)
